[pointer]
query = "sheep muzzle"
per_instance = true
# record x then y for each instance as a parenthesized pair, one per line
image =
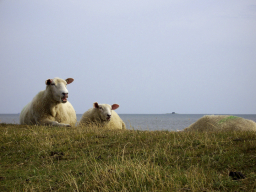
(108, 118)
(64, 99)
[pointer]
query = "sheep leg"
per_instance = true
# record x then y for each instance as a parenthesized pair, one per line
(54, 123)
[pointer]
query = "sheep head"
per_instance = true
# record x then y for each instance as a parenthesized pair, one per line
(105, 110)
(58, 88)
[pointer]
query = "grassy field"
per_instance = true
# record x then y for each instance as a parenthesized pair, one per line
(38, 158)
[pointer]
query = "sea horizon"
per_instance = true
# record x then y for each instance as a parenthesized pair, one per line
(152, 122)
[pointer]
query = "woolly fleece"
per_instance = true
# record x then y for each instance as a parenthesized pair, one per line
(93, 118)
(44, 110)
(222, 123)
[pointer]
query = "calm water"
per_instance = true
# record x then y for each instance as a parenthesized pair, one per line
(152, 122)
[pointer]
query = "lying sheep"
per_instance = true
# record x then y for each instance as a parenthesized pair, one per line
(222, 122)
(50, 106)
(103, 116)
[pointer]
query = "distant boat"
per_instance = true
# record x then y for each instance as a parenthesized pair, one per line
(171, 113)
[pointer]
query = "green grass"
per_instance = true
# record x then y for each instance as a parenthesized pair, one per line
(38, 158)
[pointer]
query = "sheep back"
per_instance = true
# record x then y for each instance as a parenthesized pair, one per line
(116, 122)
(222, 123)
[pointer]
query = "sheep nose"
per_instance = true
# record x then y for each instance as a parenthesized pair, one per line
(108, 115)
(65, 94)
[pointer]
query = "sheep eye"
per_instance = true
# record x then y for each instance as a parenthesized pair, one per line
(100, 107)
(52, 84)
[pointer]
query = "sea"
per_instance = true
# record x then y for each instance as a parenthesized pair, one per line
(150, 122)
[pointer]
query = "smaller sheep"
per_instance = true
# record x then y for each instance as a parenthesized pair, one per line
(222, 123)
(50, 106)
(102, 115)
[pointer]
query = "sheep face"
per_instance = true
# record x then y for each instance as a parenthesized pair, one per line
(105, 110)
(58, 88)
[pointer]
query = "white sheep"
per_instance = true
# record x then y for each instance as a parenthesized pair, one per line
(102, 115)
(222, 123)
(50, 106)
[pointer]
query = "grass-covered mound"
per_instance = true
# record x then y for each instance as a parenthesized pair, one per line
(222, 123)
(38, 158)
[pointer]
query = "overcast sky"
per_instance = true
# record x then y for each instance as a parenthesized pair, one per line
(154, 56)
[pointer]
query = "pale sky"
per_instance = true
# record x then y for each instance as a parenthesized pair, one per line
(150, 57)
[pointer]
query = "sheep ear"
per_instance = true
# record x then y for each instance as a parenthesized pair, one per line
(69, 80)
(48, 81)
(115, 106)
(96, 105)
